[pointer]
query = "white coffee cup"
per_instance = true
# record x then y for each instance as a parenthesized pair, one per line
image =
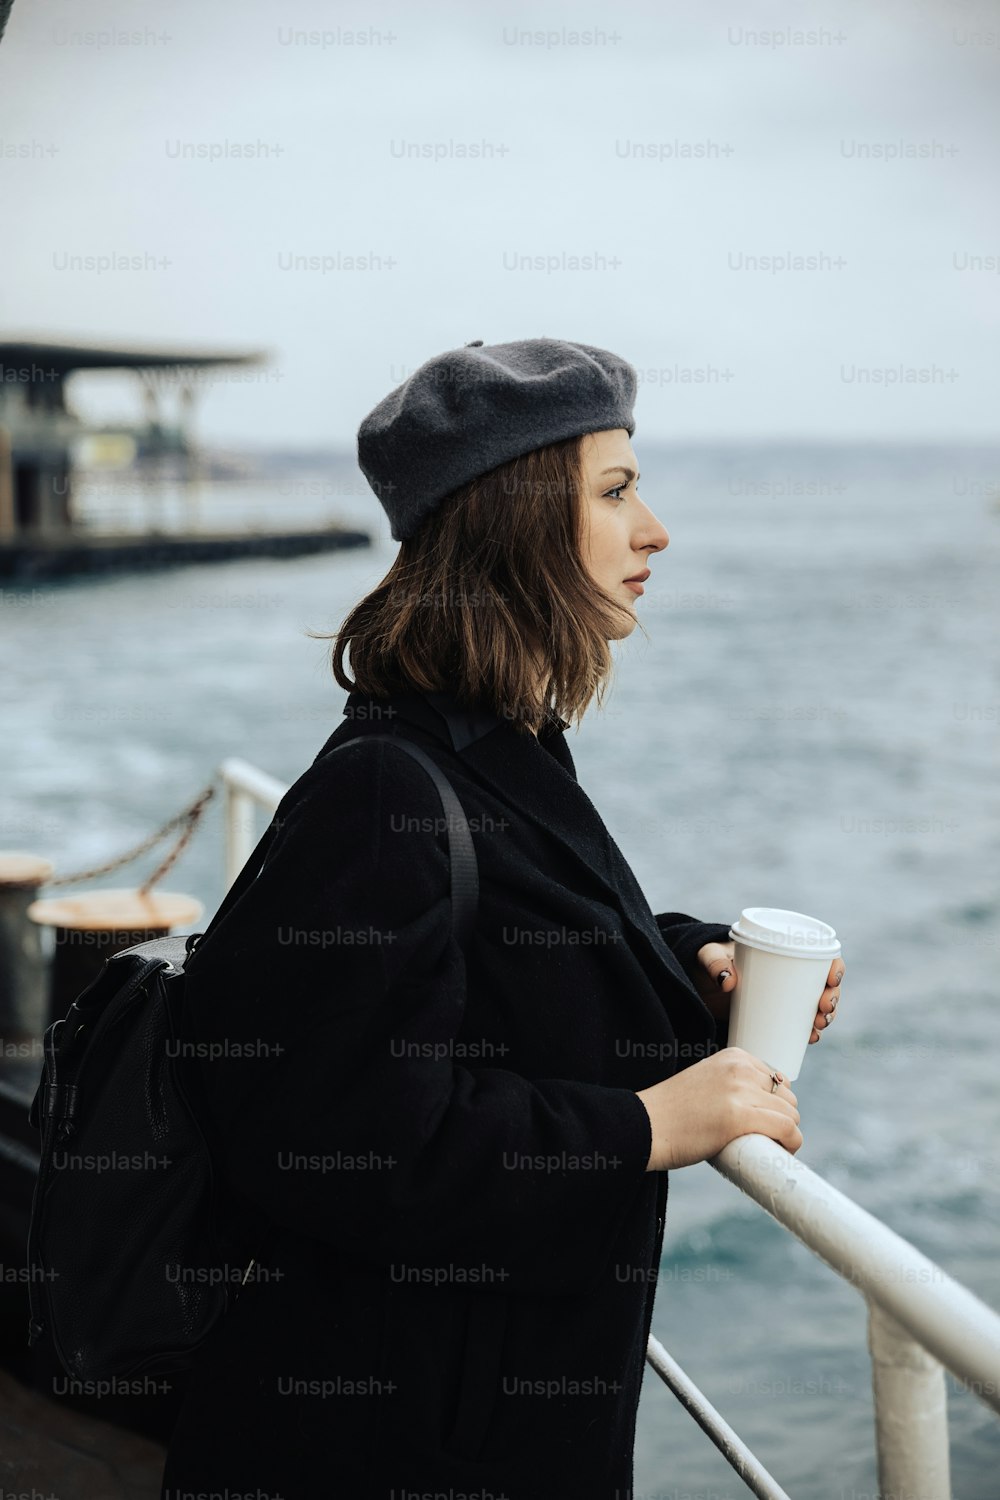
(783, 959)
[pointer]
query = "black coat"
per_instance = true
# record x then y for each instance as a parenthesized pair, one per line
(460, 1287)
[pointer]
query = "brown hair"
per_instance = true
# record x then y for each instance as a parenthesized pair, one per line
(491, 599)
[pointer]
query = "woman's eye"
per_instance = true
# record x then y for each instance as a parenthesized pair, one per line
(616, 493)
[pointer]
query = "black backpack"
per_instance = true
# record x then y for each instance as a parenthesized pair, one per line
(126, 1186)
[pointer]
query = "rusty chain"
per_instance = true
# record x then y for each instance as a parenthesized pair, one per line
(187, 820)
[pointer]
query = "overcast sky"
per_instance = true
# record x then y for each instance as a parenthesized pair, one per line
(678, 148)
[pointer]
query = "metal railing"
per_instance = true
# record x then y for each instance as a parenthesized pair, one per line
(244, 789)
(921, 1322)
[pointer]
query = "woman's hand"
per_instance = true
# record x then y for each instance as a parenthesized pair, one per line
(717, 977)
(705, 1106)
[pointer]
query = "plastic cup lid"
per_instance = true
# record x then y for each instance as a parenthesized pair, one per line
(778, 931)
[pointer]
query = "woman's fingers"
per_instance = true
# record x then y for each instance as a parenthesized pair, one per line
(766, 1074)
(787, 1132)
(829, 1000)
(785, 1102)
(717, 961)
(827, 1006)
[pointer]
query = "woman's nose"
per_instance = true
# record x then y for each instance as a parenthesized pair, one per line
(656, 535)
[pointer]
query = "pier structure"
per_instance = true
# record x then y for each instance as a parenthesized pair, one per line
(42, 537)
(39, 431)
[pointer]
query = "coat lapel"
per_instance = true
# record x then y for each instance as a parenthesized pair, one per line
(538, 778)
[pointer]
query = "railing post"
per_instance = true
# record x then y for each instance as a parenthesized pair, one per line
(245, 788)
(239, 830)
(911, 1413)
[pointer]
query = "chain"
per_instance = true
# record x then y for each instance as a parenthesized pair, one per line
(192, 818)
(187, 821)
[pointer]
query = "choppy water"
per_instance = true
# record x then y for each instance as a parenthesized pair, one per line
(813, 724)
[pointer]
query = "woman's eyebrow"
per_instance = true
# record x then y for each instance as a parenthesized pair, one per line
(620, 469)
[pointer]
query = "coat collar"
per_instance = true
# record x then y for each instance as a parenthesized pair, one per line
(468, 724)
(453, 722)
(538, 777)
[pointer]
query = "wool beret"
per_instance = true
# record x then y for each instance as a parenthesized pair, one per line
(465, 412)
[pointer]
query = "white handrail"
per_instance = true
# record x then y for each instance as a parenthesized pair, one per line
(920, 1320)
(944, 1317)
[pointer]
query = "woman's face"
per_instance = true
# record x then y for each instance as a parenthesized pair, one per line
(622, 532)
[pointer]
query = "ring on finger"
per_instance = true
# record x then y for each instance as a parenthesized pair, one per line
(776, 1078)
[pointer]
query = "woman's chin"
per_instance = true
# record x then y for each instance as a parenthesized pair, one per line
(625, 629)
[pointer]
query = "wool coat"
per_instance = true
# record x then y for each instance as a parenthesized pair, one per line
(441, 1152)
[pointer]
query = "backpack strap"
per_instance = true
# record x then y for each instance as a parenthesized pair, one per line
(461, 851)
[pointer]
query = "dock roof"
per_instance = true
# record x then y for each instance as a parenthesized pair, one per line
(67, 356)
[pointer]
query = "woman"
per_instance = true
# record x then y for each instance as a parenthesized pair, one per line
(453, 1164)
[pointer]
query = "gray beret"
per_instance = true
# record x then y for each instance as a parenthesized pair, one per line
(468, 411)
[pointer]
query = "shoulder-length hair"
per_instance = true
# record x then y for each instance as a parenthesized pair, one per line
(491, 600)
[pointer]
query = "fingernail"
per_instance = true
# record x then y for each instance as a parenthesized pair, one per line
(839, 977)
(723, 975)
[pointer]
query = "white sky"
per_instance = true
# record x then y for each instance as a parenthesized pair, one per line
(91, 128)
